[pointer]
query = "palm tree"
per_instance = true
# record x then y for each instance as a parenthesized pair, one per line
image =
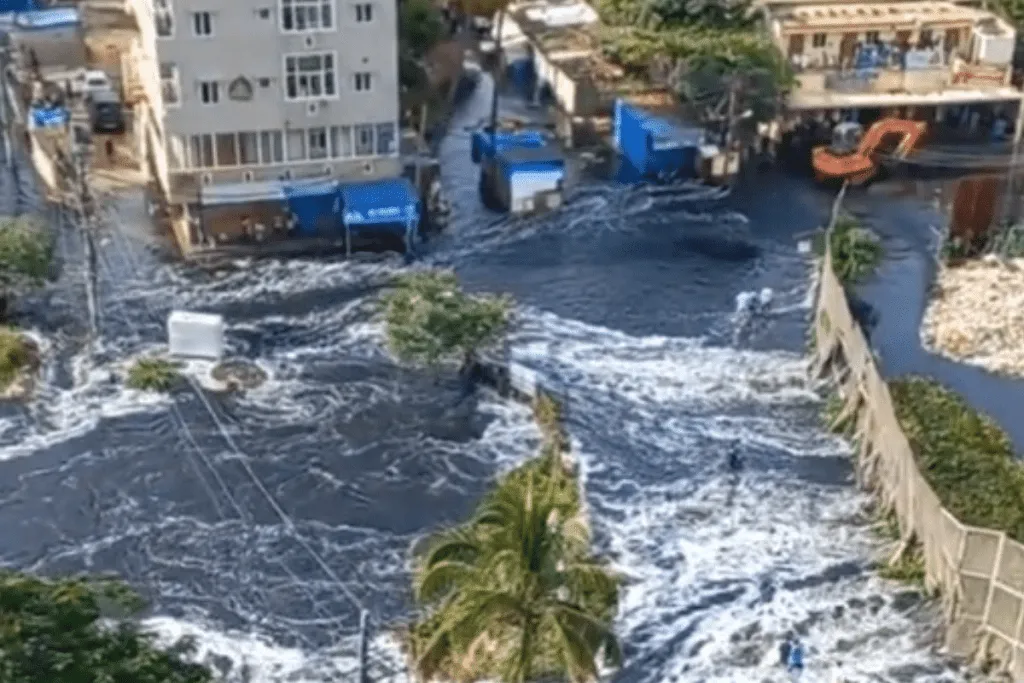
(516, 593)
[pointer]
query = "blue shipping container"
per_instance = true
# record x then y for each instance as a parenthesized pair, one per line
(654, 145)
(486, 145)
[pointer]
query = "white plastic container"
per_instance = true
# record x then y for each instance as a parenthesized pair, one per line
(195, 335)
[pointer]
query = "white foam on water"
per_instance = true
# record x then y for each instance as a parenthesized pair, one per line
(720, 565)
(57, 414)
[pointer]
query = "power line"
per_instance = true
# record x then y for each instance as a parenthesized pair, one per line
(242, 513)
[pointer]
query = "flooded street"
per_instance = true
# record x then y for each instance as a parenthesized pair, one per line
(261, 523)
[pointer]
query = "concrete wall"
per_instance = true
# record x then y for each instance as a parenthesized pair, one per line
(61, 47)
(978, 572)
(45, 167)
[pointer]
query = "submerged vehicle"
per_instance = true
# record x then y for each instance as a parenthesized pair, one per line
(851, 156)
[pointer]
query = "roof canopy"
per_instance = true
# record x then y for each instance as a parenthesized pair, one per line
(392, 200)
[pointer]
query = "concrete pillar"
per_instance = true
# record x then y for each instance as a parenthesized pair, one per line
(1019, 126)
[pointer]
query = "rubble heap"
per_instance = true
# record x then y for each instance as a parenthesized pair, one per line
(976, 315)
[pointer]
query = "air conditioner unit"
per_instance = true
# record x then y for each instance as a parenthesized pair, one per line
(247, 177)
(207, 179)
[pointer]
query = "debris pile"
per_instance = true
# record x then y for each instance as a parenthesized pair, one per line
(977, 315)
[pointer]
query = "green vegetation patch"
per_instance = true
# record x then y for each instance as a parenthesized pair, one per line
(856, 251)
(154, 374)
(707, 50)
(429, 319)
(909, 568)
(16, 355)
(53, 630)
(966, 458)
(516, 593)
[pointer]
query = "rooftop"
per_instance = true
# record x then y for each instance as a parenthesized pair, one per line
(835, 15)
(552, 31)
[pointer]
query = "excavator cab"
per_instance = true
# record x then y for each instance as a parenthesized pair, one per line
(846, 137)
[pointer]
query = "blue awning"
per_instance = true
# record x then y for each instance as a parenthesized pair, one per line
(380, 202)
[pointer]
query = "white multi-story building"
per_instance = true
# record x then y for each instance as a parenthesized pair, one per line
(262, 90)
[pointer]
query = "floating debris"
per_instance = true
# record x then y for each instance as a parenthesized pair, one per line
(976, 315)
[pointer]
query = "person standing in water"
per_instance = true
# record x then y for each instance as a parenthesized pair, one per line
(735, 461)
(796, 659)
(784, 649)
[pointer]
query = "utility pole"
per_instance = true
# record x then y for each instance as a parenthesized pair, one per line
(364, 645)
(499, 73)
(84, 205)
(1011, 172)
(730, 117)
(5, 116)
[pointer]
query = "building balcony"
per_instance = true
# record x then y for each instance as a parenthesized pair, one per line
(979, 76)
(958, 76)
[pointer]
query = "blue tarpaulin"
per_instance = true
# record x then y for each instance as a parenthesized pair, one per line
(317, 207)
(484, 144)
(8, 6)
(50, 117)
(56, 17)
(390, 202)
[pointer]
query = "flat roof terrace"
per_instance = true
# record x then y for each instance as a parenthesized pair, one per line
(830, 17)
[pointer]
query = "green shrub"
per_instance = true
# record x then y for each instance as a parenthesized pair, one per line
(856, 251)
(966, 458)
(74, 629)
(430, 319)
(153, 374)
(15, 355)
(909, 568)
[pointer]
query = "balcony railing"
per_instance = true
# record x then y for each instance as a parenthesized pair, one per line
(960, 75)
(979, 76)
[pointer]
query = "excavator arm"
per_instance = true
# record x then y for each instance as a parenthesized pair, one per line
(859, 167)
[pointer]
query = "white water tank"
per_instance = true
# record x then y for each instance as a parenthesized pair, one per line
(992, 45)
(195, 335)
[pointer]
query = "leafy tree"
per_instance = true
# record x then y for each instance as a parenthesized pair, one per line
(856, 251)
(15, 354)
(516, 593)
(50, 631)
(420, 27)
(703, 64)
(26, 256)
(430, 319)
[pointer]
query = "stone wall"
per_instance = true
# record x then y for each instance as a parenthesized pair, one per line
(979, 573)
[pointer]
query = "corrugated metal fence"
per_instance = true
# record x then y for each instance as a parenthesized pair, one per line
(978, 572)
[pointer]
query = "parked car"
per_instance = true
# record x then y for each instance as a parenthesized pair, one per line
(106, 112)
(88, 82)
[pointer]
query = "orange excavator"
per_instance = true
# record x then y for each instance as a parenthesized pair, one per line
(851, 154)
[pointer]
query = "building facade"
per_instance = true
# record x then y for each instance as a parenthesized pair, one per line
(264, 90)
(925, 53)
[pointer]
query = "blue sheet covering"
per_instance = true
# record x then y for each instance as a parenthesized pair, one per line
(55, 17)
(7, 6)
(317, 207)
(392, 201)
(51, 117)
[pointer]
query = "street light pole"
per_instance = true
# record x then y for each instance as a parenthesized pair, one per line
(498, 73)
